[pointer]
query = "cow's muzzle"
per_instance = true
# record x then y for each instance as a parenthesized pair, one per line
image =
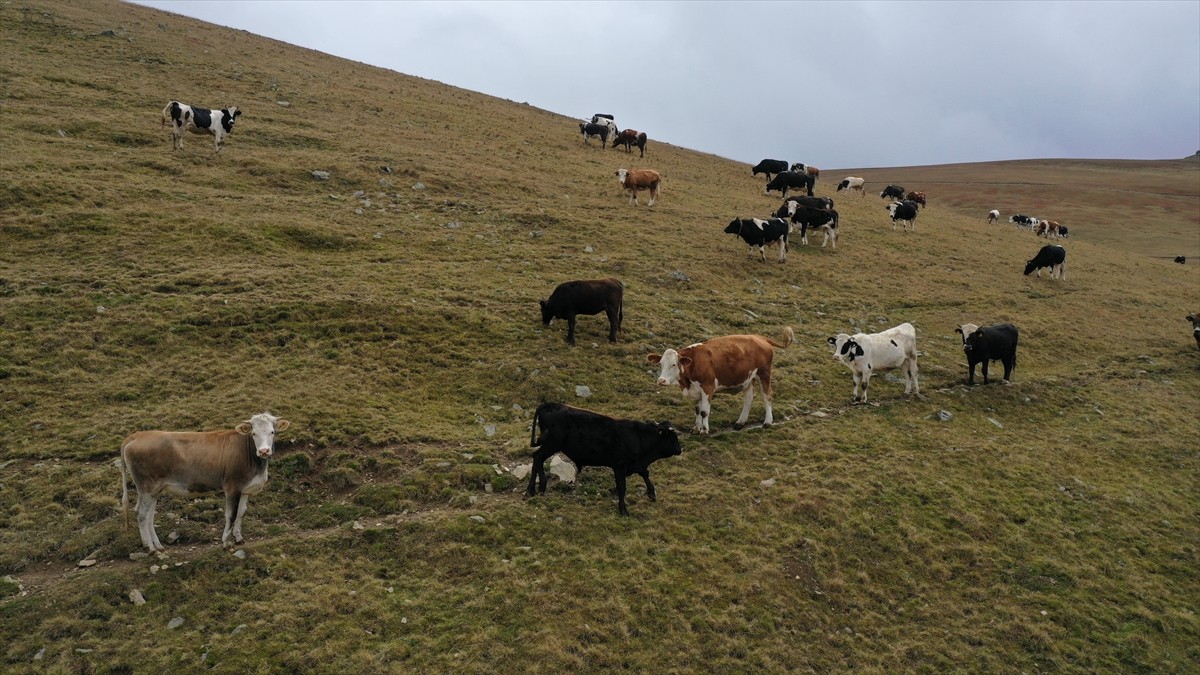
(265, 452)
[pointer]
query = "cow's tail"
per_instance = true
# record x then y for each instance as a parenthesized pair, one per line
(124, 488)
(534, 441)
(788, 338)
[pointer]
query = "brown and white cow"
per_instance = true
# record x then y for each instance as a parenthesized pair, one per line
(730, 363)
(1047, 229)
(189, 463)
(993, 216)
(639, 179)
(630, 138)
(918, 197)
(1195, 319)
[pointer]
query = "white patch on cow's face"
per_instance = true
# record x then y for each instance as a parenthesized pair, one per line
(621, 173)
(262, 428)
(837, 343)
(668, 373)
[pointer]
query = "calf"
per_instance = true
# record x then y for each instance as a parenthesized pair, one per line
(1022, 220)
(1052, 256)
(770, 166)
(785, 209)
(184, 117)
(592, 296)
(592, 439)
(810, 218)
(989, 343)
(993, 216)
(867, 354)
(639, 179)
(905, 211)
(729, 363)
(791, 179)
(893, 192)
(195, 463)
(1195, 319)
(852, 184)
(589, 130)
(918, 197)
(629, 138)
(759, 233)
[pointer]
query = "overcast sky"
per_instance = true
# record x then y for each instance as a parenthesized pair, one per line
(839, 85)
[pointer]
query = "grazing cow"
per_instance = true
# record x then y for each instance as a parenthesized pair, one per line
(770, 166)
(1195, 319)
(639, 179)
(1063, 232)
(918, 197)
(759, 233)
(1023, 220)
(790, 179)
(905, 211)
(866, 355)
(194, 463)
(810, 219)
(893, 192)
(814, 172)
(592, 439)
(729, 363)
(629, 138)
(589, 130)
(1179, 258)
(1047, 229)
(184, 117)
(993, 216)
(852, 184)
(989, 343)
(1052, 256)
(590, 296)
(785, 209)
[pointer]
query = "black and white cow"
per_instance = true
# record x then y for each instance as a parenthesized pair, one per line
(893, 192)
(993, 216)
(627, 447)
(606, 120)
(1021, 220)
(809, 218)
(1063, 232)
(852, 183)
(759, 233)
(1195, 319)
(1052, 256)
(905, 211)
(184, 117)
(589, 130)
(586, 296)
(791, 179)
(866, 355)
(785, 209)
(770, 166)
(989, 343)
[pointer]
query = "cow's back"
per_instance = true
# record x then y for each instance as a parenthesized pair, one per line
(730, 359)
(187, 461)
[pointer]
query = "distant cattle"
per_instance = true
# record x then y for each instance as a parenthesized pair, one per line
(729, 363)
(591, 439)
(791, 179)
(759, 233)
(892, 192)
(918, 197)
(866, 355)
(989, 343)
(189, 464)
(1179, 258)
(770, 166)
(1052, 256)
(639, 179)
(993, 216)
(630, 138)
(1063, 232)
(589, 131)
(809, 218)
(852, 184)
(586, 296)
(606, 120)
(806, 169)
(184, 118)
(905, 211)
(1195, 319)
(785, 209)
(1047, 229)
(1023, 220)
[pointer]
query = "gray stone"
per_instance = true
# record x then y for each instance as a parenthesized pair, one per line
(521, 471)
(173, 537)
(995, 422)
(240, 627)
(582, 391)
(87, 562)
(136, 597)
(945, 415)
(768, 482)
(679, 276)
(475, 519)
(489, 429)
(418, 186)
(138, 555)
(240, 554)
(41, 654)
(321, 175)
(175, 623)
(562, 468)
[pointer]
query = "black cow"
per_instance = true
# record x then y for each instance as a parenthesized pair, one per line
(1052, 256)
(770, 166)
(1063, 232)
(1182, 260)
(1023, 220)
(592, 439)
(791, 179)
(585, 297)
(893, 191)
(809, 218)
(785, 209)
(759, 233)
(991, 343)
(589, 130)
(903, 211)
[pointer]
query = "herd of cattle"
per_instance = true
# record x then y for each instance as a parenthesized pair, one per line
(236, 461)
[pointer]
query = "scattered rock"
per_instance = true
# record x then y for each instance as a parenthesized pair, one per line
(818, 413)
(385, 169)
(240, 627)
(945, 415)
(175, 623)
(379, 235)
(563, 469)
(136, 597)
(41, 654)
(100, 309)
(453, 225)
(321, 175)
(173, 537)
(385, 182)
(489, 429)
(475, 519)
(358, 211)
(679, 276)
(487, 487)
(582, 391)
(418, 186)
(240, 554)
(138, 555)
(768, 482)
(62, 133)
(357, 525)
(521, 471)
(587, 249)
(995, 422)
(154, 569)
(88, 562)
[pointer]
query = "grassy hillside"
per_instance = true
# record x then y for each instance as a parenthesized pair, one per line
(391, 315)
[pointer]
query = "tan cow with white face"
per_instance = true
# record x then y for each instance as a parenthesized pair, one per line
(1195, 319)
(730, 363)
(189, 463)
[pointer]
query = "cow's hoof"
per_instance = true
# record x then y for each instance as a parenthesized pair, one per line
(767, 424)
(737, 426)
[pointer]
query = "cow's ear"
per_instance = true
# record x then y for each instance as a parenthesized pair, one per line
(958, 330)
(243, 428)
(858, 350)
(542, 304)
(1191, 317)
(654, 358)
(832, 341)
(282, 424)
(685, 360)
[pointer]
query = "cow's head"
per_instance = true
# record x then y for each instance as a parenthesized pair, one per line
(1195, 319)
(734, 227)
(671, 366)
(845, 348)
(1030, 266)
(668, 440)
(262, 429)
(620, 174)
(971, 340)
(965, 330)
(547, 313)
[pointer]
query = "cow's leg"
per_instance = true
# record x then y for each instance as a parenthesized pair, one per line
(764, 384)
(620, 475)
(912, 376)
(645, 473)
(539, 470)
(614, 322)
(857, 381)
(703, 408)
(653, 196)
(971, 377)
(237, 521)
(1009, 362)
(747, 399)
(751, 253)
(866, 382)
(985, 370)
(783, 249)
(145, 518)
(231, 508)
(762, 252)
(571, 329)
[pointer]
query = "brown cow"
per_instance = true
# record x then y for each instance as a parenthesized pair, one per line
(813, 171)
(1195, 319)
(192, 463)
(730, 363)
(639, 179)
(1047, 229)
(629, 138)
(918, 197)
